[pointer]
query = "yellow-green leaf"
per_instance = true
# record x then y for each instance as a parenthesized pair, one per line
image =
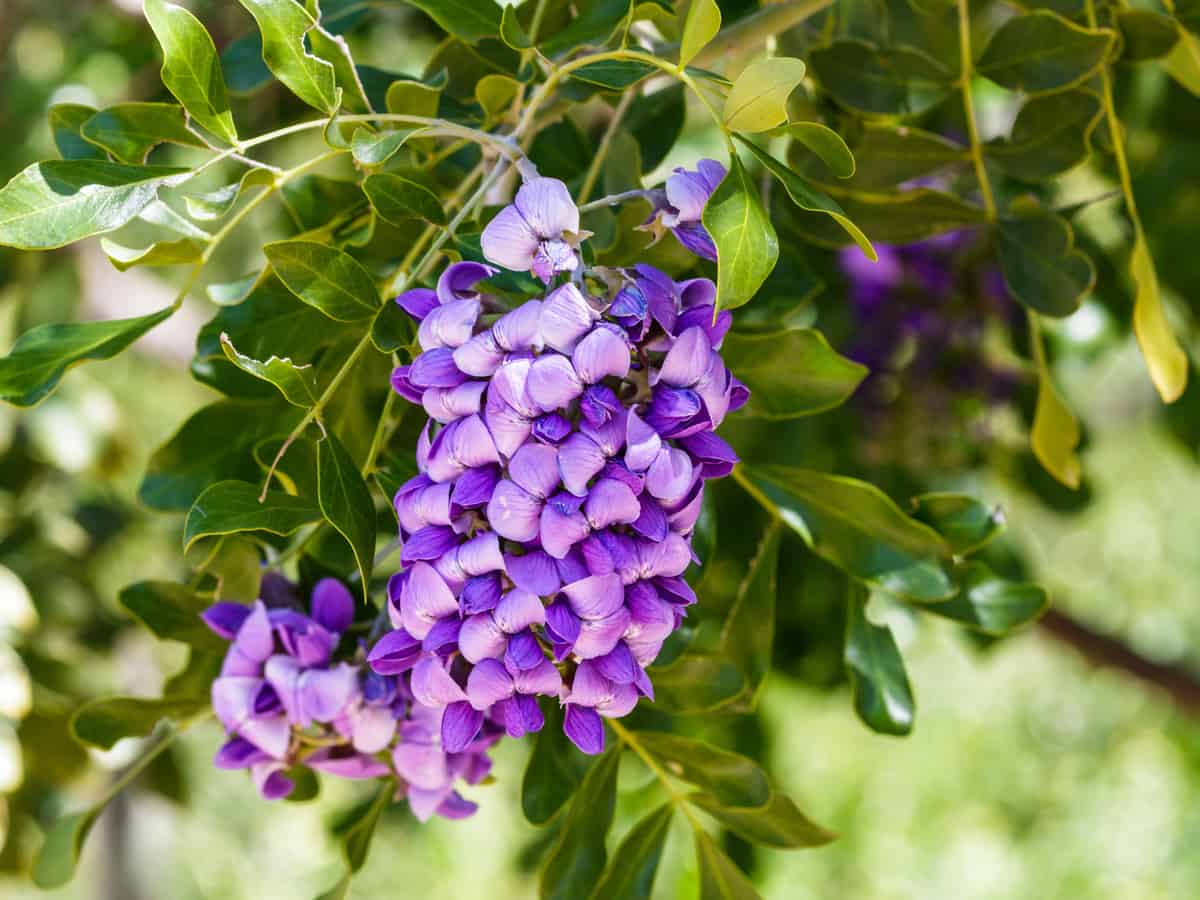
(758, 99)
(1055, 433)
(701, 26)
(1164, 357)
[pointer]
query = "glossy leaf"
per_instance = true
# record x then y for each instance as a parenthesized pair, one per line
(1183, 63)
(191, 70)
(615, 74)
(495, 94)
(129, 131)
(578, 856)
(213, 205)
(103, 722)
(397, 199)
(655, 121)
(283, 25)
(1042, 269)
(882, 696)
(229, 507)
(326, 278)
(758, 99)
(346, 503)
(880, 80)
(553, 772)
(51, 204)
(42, 355)
(294, 382)
(392, 329)
(855, 526)
(826, 143)
(374, 148)
(720, 878)
(215, 443)
(1041, 51)
(414, 98)
(171, 611)
(888, 155)
(1049, 136)
(992, 604)
(791, 373)
(630, 873)
(701, 25)
(807, 197)
(965, 523)
(747, 246)
(467, 19)
(731, 779)
(697, 683)
(777, 824)
(164, 253)
(66, 121)
(1165, 359)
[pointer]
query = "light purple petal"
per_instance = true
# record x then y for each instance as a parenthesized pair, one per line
(611, 502)
(534, 468)
(542, 678)
(424, 599)
(481, 554)
(566, 317)
(513, 512)
(447, 404)
(255, 639)
(488, 683)
(432, 684)
(687, 360)
(603, 353)
(596, 596)
(552, 382)
(518, 610)
(332, 605)
(667, 557)
(509, 384)
(553, 257)
(481, 356)
(508, 427)
(687, 192)
(670, 475)
(233, 699)
(270, 734)
(651, 617)
(472, 443)
(395, 652)
(458, 280)
(481, 638)
(546, 204)
(450, 325)
(460, 724)
(374, 728)
(560, 531)
(422, 764)
(579, 460)
(642, 443)
(534, 572)
(598, 636)
(520, 329)
(509, 241)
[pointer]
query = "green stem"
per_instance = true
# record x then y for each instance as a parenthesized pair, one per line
(166, 734)
(678, 799)
(614, 199)
(965, 77)
(593, 172)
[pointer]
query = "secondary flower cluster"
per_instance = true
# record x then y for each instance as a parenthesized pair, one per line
(290, 696)
(562, 472)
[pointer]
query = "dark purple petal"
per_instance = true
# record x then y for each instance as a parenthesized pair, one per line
(418, 302)
(618, 665)
(482, 593)
(561, 623)
(535, 572)
(436, 368)
(460, 723)
(238, 753)
(225, 618)
(443, 636)
(524, 651)
(395, 652)
(599, 405)
(473, 489)
(459, 279)
(696, 239)
(714, 454)
(271, 782)
(583, 726)
(332, 605)
(660, 294)
(651, 522)
(551, 428)
(428, 543)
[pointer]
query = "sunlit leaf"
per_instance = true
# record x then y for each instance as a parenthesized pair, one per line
(732, 779)
(326, 278)
(701, 25)
(1166, 360)
(882, 696)
(228, 507)
(826, 143)
(747, 247)
(294, 382)
(758, 99)
(284, 24)
(129, 131)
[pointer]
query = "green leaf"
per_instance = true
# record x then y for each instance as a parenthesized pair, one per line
(701, 25)
(51, 204)
(630, 874)
(293, 381)
(855, 526)
(1041, 267)
(333, 49)
(1146, 34)
(578, 855)
(392, 329)
(791, 373)
(414, 98)
(171, 611)
(758, 99)
(214, 444)
(163, 253)
(325, 278)
(1165, 359)
(777, 824)
(191, 70)
(374, 148)
(232, 293)
(346, 503)
(103, 722)
(1183, 63)
(129, 131)
(66, 120)
(54, 865)
(615, 74)
(992, 604)
(899, 218)
(340, 891)
(40, 357)
(356, 842)
(495, 93)
(747, 247)
(229, 507)
(511, 31)
(553, 772)
(1055, 433)
(1040, 52)
(595, 24)
(284, 24)
(697, 683)
(880, 80)
(826, 143)
(215, 204)
(398, 199)
(242, 63)
(655, 121)
(807, 197)
(965, 523)
(1049, 136)
(888, 155)
(467, 19)
(732, 779)
(882, 696)
(720, 878)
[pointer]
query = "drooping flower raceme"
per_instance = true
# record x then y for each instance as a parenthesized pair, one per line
(562, 472)
(290, 696)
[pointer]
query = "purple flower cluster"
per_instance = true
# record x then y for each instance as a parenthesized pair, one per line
(562, 472)
(289, 696)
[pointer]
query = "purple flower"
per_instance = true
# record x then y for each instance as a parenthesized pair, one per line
(687, 194)
(537, 232)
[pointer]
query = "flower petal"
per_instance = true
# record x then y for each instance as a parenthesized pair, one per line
(546, 204)
(642, 443)
(520, 329)
(579, 459)
(535, 469)
(552, 382)
(332, 605)
(596, 596)
(432, 684)
(534, 572)
(670, 475)
(418, 302)
(488, 683)
(450, 325)
(447, 404)
(225, 618)
(599, 636)
(436, 368)
(542, 678)
(518, 610)
(566, 317)
(509, 241)
(424, 599)
(472, 489)
(481, 593)
(611, 502)
(395, 652)
(481, 638)
(687, 359)
(460, 724)
(481, 356)
(458, 279)
(560, 531)
(523, 652)
(583, 726)
(513, 512)
(604, 352)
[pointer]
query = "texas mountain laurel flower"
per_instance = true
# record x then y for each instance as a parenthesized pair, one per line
(562, 471)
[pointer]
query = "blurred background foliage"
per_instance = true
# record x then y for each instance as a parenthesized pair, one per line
(1032, 772)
